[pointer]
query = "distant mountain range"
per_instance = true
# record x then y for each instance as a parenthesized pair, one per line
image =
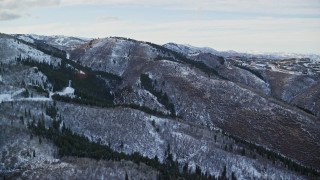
(190, 50)
(72, 42)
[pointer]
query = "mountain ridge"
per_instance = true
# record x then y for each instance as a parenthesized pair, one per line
(202, 91)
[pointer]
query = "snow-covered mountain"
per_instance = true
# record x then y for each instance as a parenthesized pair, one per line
(190, 50)
(154, 107)
(64, 43)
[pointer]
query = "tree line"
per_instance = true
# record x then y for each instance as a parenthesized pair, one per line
(273, 156)
(176, 56)
(148, 84)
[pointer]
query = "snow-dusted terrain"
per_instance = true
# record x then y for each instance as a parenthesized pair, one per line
(267, 100)
(188, 143)
(12, 49)
(62, 42)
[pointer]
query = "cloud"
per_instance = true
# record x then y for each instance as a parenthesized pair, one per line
(263, 30)
(261, 34)
(5, 16)
(13, 9)
(107, 19)
(18, 5)
(267, 7)
(290, 7)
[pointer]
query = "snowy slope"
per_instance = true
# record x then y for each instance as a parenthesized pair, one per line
(188, 49)
(112, 55)
(152, 135)
(65, 43)
(12, 49)
(247, 98)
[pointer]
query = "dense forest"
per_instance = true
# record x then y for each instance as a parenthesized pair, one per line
(71, 144)
(275, 157)
(88, 86)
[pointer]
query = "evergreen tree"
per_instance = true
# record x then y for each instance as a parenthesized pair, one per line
(223, 175)
(185, 168)
(233, 176)
(243, 152)
(26, 93)
(198, 170)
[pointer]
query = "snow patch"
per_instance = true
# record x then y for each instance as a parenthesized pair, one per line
(18, 92)
(35, 99)
(8, 97)
(26, 38)
(193, 54)
(5, 98)
(157, 120)
(184, 71)
(68, 91)
(156, 136)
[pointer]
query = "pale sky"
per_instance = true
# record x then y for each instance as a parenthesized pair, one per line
(240, 25)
